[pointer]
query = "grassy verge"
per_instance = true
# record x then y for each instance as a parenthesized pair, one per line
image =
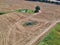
(53, 38)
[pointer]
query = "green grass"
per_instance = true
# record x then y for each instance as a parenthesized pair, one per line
(19, 10)
(25, 11)
(30, 11)
(53, 38)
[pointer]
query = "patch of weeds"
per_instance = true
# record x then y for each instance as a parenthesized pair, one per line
(19, 10)
(1, 13)
(22, 10)
(30, 23)
(30, 11)
(25, 11)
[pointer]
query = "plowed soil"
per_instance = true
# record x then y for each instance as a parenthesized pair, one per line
(12, 31)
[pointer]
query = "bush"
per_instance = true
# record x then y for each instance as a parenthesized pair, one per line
(37, 8)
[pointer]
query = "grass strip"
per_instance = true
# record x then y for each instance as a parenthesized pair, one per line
(53, 38)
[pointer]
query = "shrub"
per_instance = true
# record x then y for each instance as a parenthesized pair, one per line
(37, 8)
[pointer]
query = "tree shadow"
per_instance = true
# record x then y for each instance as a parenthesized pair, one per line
(31, 0)
(57, 3)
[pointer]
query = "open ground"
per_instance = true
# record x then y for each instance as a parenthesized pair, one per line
(12, 32)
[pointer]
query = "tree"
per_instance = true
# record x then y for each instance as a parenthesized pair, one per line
(37, 8)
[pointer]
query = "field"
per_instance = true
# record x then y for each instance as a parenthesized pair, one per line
(53, 38)
(17, 28)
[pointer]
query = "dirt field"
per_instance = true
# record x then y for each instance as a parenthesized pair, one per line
(12, 31)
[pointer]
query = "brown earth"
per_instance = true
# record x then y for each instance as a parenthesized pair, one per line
(12, 32)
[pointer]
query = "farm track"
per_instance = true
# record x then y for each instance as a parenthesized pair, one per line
(11, 30)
